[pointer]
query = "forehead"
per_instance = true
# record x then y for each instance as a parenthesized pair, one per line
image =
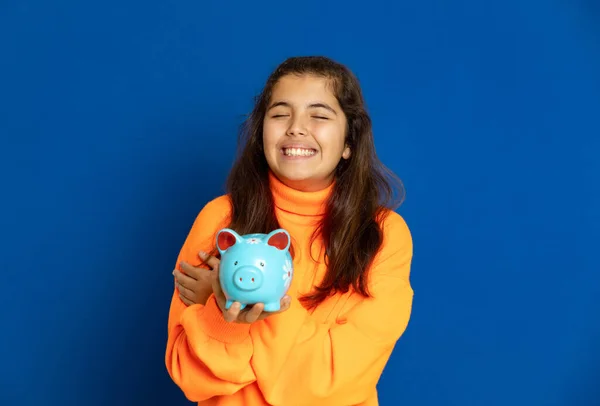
(303, 89)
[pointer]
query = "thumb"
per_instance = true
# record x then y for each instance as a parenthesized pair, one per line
(216, 284)
(216, 287)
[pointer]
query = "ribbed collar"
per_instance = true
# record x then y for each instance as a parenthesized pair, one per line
(296, 201)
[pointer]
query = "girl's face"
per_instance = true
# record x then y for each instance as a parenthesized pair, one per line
(304, 132)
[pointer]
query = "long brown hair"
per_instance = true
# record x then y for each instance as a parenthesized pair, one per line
(362, 194)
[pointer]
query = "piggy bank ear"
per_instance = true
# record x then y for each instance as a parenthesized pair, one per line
(227, 238)
(279, 239)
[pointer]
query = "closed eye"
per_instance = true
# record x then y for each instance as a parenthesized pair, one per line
(321, 117)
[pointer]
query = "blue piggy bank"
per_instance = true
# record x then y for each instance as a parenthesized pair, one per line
(255, 268)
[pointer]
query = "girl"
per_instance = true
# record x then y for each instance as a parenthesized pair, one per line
(308, 165)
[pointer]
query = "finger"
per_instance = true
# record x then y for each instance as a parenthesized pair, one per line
(216, 282)
(233, 312)
(183, 279)
(217, 291)
(186, 292)
(190, 270)
(286, 301)
(284, 305)
(185, 300)
(209, 260)
(254, 313)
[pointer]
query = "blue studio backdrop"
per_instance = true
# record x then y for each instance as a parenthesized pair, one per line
(118, 121)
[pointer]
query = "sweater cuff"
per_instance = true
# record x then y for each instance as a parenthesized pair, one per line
(210, 320)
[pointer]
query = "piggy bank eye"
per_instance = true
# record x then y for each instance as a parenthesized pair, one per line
(235, 263)
(262, 264)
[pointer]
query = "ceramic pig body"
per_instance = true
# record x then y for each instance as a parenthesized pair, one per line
(255, 268)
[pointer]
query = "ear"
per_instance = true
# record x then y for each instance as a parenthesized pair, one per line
(346, 154)
(279, 239)
(227, 238)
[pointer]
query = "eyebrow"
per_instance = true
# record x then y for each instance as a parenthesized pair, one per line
(312, 105)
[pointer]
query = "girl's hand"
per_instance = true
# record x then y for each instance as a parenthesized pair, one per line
(251, 313)
(195, 285)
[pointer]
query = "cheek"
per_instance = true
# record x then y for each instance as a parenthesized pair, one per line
(270, 144)
(330, 138)
(269, 138)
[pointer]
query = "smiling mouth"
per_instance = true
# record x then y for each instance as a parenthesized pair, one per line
(298, 152)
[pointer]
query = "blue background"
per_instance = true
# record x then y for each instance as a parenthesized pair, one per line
(118, 122)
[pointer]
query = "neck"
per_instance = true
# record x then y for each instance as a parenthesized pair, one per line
(308, 202)
(307, 185)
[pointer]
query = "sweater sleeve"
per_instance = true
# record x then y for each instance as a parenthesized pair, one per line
(299, 361)
(200, 343)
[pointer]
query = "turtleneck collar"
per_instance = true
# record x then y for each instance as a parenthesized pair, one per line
(296, 201)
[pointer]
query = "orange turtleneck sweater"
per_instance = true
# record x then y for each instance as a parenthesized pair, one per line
(331, 356)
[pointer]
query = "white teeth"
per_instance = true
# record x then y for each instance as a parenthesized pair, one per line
(298, 152)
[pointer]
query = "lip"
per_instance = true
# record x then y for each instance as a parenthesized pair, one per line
(299, 157)
(296, 145)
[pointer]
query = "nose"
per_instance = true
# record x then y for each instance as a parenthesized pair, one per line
(297, 127)
(248, 278)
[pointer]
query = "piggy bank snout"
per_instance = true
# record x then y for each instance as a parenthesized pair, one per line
(248, 278)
